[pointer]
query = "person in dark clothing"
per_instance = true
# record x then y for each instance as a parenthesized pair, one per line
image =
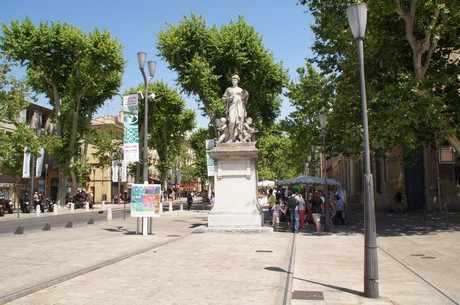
(189, 201)
(339, 210)
(316, 211)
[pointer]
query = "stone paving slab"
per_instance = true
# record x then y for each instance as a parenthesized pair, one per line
(206, 268)
(418, 264)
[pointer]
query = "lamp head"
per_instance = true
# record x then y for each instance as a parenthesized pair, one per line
(152, 65)
(141, 58)
(357, 18)
(322, 120)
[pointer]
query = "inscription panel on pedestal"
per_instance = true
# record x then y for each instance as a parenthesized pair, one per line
(240, 169)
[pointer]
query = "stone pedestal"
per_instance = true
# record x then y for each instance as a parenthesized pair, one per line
(235, 187)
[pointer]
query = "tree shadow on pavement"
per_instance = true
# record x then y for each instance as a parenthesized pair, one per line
(389, 224)
(120, 230)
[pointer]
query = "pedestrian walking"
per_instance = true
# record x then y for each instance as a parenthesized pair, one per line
(189, 201)
(339, 211)
(276, 215)
(293, 204)
(317, 211)
(302, 207)
(271, 202)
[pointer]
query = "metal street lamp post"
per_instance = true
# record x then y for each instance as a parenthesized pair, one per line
(141, 58)
(327, 225)
(94, 185)
(118, 159)
(357, 18)
(46, 177)
(313, 152)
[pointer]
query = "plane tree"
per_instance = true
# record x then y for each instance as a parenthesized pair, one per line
(205, 58)
(76, 71)
(412, 67)
(169, 121)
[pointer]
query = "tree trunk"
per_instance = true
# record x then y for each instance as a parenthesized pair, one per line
(62, 188)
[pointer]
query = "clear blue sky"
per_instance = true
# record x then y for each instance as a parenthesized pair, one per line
(283, 25)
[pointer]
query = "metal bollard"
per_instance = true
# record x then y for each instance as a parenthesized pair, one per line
(38, 210)
(87, 206)
(170, 206)
(55, 209)
(161, 207)
(103, 205)
(109, 215)
(181, 206)
(72, 207)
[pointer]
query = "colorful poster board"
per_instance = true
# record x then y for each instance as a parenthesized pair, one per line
(145, 200)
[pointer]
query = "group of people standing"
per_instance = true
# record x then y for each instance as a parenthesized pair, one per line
(298, 211)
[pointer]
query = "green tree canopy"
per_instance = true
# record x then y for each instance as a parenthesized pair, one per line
(206, 58)
(169, 121)
(411, 72)
(197, 141)
(78, 72)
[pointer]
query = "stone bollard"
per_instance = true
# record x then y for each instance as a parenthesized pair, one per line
(72, 207)
(109, 215)
(103, 205)
(161, 207)
(170, 206)
(55, 209)
(181, 206)
(38, 210)
(87, 206)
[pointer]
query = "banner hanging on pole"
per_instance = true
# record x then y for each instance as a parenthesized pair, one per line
(131, 128)
(114, 171)
(124, 172)
(209, 160)
(39, 165)
(26, 163)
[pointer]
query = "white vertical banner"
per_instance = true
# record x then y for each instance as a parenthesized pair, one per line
(26, 163)
(173, 176)
(124, 172)
(209, 160)
(115, 171)
(39, 164)
(179, 176)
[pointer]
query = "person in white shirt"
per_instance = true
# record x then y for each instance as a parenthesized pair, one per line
(302, 207)
(276, 215)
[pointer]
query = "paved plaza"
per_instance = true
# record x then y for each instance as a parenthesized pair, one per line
(108, 263)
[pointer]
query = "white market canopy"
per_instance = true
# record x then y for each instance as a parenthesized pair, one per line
(307, 180)
(266, 183)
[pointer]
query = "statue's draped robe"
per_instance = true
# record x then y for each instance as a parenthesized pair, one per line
(236, 111)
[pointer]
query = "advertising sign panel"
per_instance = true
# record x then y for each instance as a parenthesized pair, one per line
(145, 200)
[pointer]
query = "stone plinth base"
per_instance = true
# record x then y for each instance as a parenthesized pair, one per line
(235, 220)
(258, 230)
(235, 188)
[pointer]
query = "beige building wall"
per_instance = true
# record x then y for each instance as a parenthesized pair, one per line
(388, 178)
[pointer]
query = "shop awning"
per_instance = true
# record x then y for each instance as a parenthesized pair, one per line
(306, 180)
